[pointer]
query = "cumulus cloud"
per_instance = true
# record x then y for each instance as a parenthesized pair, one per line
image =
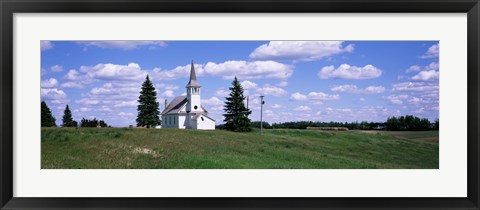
(276, 106)
(166, 86)
(302, 108)
(271, 90)
(432, 52)
(415, 68)
(299, 50)
(415, 86)
(222, 93)
(133, 103)
(314, 96)
(86, 101)
(283, 84)
(49, 83)
(213, 101)
(249, 70)
(46, 45)
(248, 85)
(322, 96)
(298, 97)
(52, 94)
(168, 93)
(76, 79)
(124, 45)
(56, 68)
(346, 71)
(397, 99)
(109, 71)
(355, 89)
(123, 114)
(426, 76)
(229, 69)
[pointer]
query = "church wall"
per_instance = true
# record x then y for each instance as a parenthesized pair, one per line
(181, 121)
(206, 124)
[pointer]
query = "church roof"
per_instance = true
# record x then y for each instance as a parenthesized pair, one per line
(193, 78)
(175, 105)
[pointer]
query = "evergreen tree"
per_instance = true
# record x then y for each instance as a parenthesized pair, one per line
(47, 118)
(67, 118)
(148, 107)
(236, 114)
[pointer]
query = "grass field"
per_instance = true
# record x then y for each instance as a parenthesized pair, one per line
(102, 148)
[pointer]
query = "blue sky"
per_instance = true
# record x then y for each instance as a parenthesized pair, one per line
(302, 80)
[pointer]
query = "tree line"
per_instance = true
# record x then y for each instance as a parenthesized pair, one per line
(402, 123)
(47, 119)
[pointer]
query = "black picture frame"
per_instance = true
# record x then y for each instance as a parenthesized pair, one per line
(10, 7)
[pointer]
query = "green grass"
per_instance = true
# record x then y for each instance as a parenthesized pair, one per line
(102, 148)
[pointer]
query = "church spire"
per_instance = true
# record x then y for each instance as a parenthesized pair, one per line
(193, 78)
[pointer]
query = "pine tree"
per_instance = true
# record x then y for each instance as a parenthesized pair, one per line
(47, 118)
(236, 114)
(148, 107)
(67, 118)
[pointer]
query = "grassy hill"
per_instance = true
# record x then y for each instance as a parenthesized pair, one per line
(103, 148)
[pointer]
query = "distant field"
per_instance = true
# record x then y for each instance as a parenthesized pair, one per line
(426, 136)
(105, 148)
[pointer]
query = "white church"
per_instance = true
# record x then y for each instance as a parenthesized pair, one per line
(186, 111)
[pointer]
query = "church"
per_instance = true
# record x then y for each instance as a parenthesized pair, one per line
(186, 112)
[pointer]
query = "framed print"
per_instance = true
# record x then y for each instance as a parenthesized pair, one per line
(239, 105)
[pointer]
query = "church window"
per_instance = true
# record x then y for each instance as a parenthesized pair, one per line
(202, 118)
(195, 107)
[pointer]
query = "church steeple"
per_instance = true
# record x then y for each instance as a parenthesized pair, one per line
(193, 78)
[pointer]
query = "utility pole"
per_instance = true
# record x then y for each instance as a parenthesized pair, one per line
(247, 102)
(261, 114)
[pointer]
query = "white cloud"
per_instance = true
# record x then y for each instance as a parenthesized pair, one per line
(302, 108)
(248, 85)
(346, 71)
(49, 83)
(72, 85)
(299, 50)
(415, 86)
(432, 52)
(86, 101)
(177, 72)
(298, 97)
(133, 103)
(228, 70)
(124, 45)
(46, 45)
(431, 66)
(52, 94)
(271, 90)
(249, 70)
(282, 84)
(276, 106)
(77, 80)
(397, 99)
(362, 99)
(322, 96)
(413, 68)
(56, 68)
(123, 114)
(167, 86)
(426, 76)
(222, 93)
(213, 101)
(374, 89)
(168, 93)
(109, 71)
